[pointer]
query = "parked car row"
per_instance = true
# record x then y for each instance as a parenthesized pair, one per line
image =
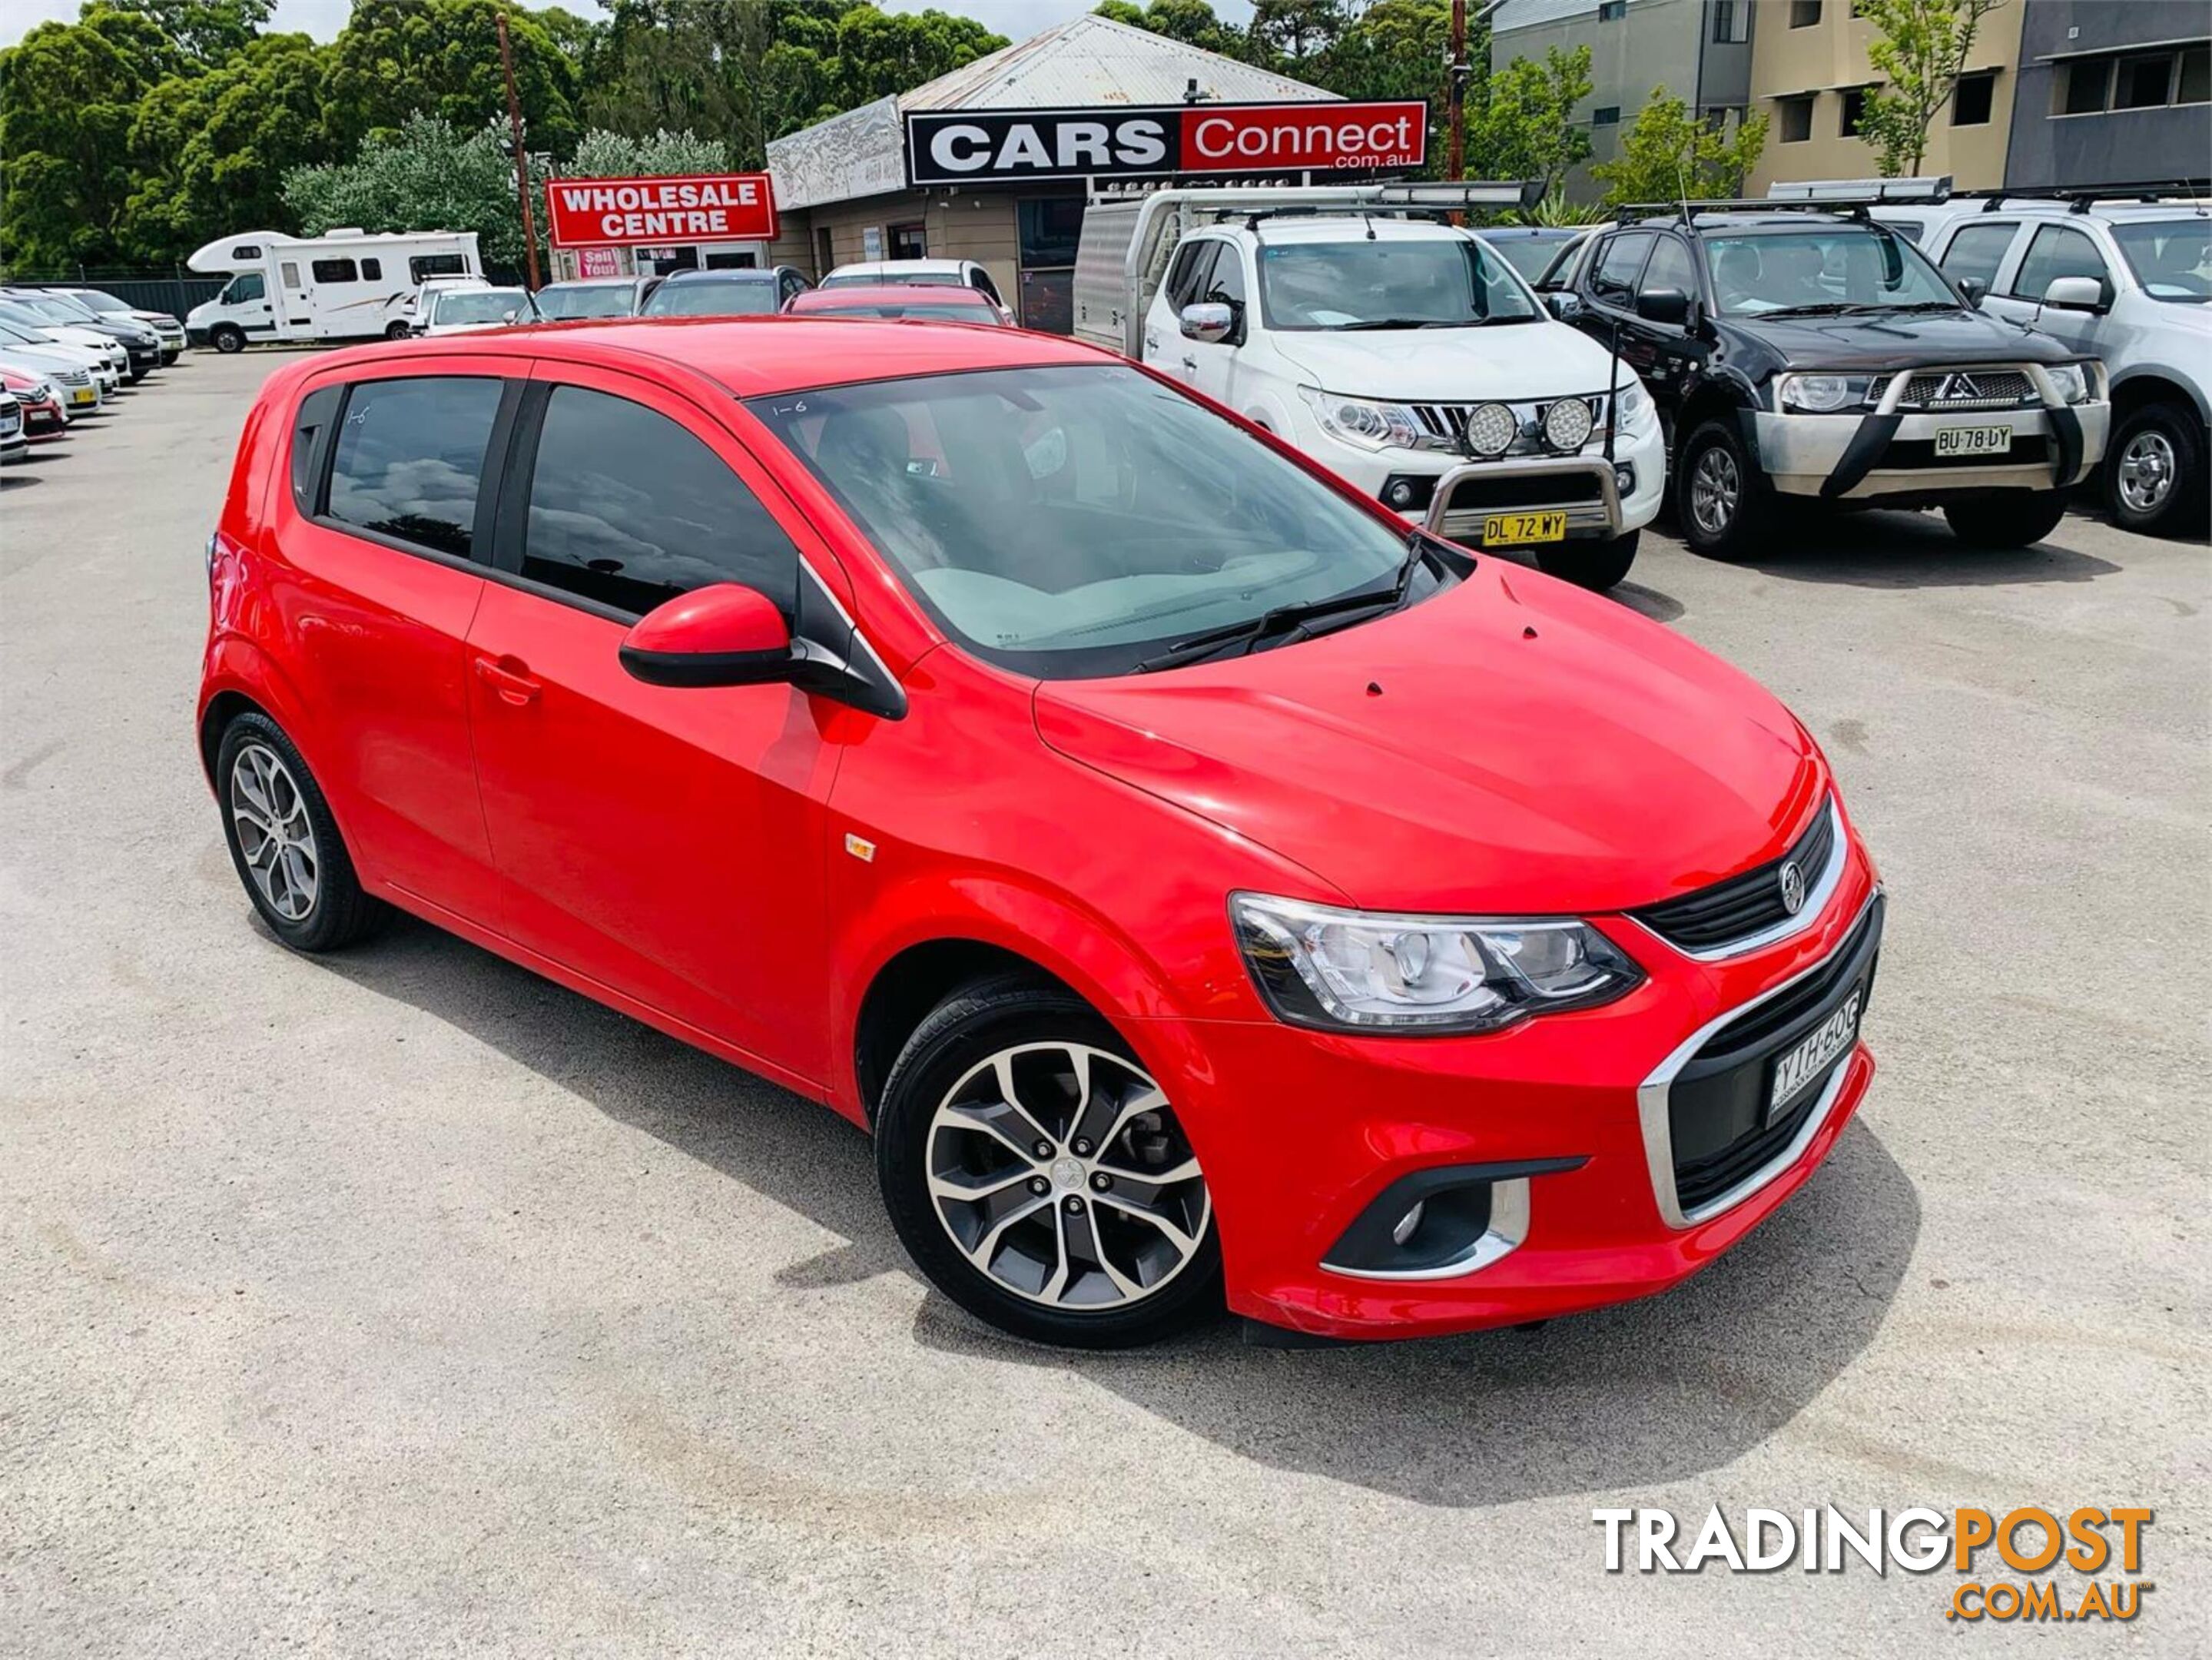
(65, 351)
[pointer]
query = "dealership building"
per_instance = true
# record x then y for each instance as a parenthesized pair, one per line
(994, 161)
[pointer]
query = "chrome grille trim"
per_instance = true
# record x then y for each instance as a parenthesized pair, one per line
(1970, 386)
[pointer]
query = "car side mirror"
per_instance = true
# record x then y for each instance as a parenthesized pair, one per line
(2075, 293)
(722, 635)
(1209, 323)
(1974, 290)
(1562, 304)
(1669, 306)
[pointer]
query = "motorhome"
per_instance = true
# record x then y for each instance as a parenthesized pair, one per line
(343, 285)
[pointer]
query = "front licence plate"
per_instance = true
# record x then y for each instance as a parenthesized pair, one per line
(1973, 441)
(1798, 1069)
(84, 395)
(1507, 530)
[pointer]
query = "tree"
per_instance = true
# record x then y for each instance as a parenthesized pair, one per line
(1191, 21)
(205, 32)
(602, 154)
(1668, 154)
(1521, 122)
(399, 58)
(1292, 36)
(429, 175)
(1920, 46)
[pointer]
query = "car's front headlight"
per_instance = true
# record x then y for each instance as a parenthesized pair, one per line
(1825, 394)
(1317, 966)
(1363, 421)
(2071, 379)
(1634, 400)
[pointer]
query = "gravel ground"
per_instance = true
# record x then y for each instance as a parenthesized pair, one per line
(401, 1303)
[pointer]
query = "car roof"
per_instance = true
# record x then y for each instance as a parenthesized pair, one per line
(2121, 212)
(1348, 228)
(1535, 233)
(888, 293)
(754, 356)
(887, 265)
(735, 274)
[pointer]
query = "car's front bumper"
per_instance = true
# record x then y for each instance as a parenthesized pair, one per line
(1301, 1132)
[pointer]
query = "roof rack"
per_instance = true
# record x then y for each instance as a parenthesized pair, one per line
(1838, 192)
(2079, 199)
(1684, 210)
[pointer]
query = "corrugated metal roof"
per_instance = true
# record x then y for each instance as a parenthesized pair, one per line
(1088, 60)
(1094, 60)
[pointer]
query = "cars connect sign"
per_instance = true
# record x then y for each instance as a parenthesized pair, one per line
(954, 147)
(630, 213)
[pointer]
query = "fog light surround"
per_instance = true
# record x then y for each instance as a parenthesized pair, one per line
(1439, 1223)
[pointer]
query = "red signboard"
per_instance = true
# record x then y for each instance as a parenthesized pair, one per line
(629, 213)
(954, 147)
(599, 262)
(1276, 138)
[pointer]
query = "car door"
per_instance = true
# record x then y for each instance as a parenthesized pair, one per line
(248, 297)
(1666, 355)
(2055, 251)
(296, 313)
(1216, 362)
(667, 843)
(1165, 345)
(1976, 250)
(1607, 283)
(385, 532)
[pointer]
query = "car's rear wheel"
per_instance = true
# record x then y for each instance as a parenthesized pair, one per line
(227, 337)
(284, 843)
(1040, 1177)
(2006, 521)
(395, 331)
(2154, 476)
(1723, 506)
(1596, 566)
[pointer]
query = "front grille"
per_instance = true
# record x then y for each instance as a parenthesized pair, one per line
(74, 377)
(1541, 490)
(1714, 917)
(1914, 455)
(1716, 1105)
(1968, 389)
(1446, 422)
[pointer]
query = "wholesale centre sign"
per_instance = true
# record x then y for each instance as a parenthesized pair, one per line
(631, 213)
(956, 147)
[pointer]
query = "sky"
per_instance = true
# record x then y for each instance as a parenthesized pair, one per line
(1015, 19)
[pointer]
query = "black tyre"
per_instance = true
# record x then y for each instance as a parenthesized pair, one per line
(1724, 505)
(2006, 521)
(395, 331)
(2154, 478)
(1038, 1177)
(1596, 566)
(284, 843)
(227, 338)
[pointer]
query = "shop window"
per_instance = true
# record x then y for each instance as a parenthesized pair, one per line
(1049, 231)
(1970, 103)
(910, 241)
(1793, 120)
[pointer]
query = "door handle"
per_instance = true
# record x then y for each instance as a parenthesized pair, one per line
(1191, 363)
(510, 678)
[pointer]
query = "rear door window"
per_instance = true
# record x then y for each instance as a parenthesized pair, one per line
(1977, 251)
(628, 509)
(409, 459)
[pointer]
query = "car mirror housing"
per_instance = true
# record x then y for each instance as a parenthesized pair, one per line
(2075, 293)
(722, 635)
(1562, 304)
(1208, 323)
(1664, 306)
(1973, 290)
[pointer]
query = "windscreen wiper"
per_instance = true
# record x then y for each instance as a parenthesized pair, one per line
(1395, 323)
(1819, 308)
(1284, 620)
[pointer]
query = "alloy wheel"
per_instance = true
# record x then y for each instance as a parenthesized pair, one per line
(1059, 1172)
(1715, 486)
(276, 836)
(2146, 471)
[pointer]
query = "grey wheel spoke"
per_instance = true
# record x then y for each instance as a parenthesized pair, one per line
(1130, 1289)
(1004, 1069)
(973, 1189)
(1003, 1124)
(987, 1246)
(1177, 1235)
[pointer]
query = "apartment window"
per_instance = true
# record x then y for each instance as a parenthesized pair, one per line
(1793, 120)
(1612, 11)
(1804, 14)
(2136, 81)
(1731, 22)
(1970, 103)
(1606, 115)
(1854, 102)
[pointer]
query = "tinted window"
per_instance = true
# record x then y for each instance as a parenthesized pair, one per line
(628, 509)
(246, 250)
(1194, 262)
(315, 412)
(434, 265)
(565, 300)
(1614, 278)
(411, 456)
(747, 298)
(372, 271)
(333, 271)
(2057, 250)
(983, 285)
(1830, 264)
(1977, 251)
(1670, 268)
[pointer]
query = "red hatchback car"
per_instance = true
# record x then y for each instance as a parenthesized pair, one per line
(1203, 889)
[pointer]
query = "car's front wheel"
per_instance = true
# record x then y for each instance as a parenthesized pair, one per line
(284, 843)
(1596, 566)
(2154, 474)
(1040, 1177)
(1723, 504)
(227, 338)
(2006, 521)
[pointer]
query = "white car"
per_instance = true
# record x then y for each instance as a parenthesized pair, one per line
(1397, 351)
(924, 273)
(109, 351)
(99, 300)
(85, 378)
(72, 390)
(459, 308)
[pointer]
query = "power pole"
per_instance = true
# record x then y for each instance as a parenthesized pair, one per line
(522, 159)
(1455, 98)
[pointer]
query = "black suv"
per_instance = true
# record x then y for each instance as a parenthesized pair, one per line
(1813, 353)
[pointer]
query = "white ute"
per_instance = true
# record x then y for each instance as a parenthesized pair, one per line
(1392, 347)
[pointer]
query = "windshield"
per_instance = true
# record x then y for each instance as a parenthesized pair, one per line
(1398, 283)
(1531, 255)
(755, 299)
(1836, 267)
(94, 299)
(478, 306)
(20, 337)
(1065, 522)
(928, 279)
(2170, 258)
(53, 308)
(560, 302)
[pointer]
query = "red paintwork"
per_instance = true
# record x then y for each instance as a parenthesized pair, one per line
(721, 617)
(44, 418)
(680, 853)
(852, 297)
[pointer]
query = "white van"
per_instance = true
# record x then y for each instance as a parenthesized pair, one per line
(344, 285)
